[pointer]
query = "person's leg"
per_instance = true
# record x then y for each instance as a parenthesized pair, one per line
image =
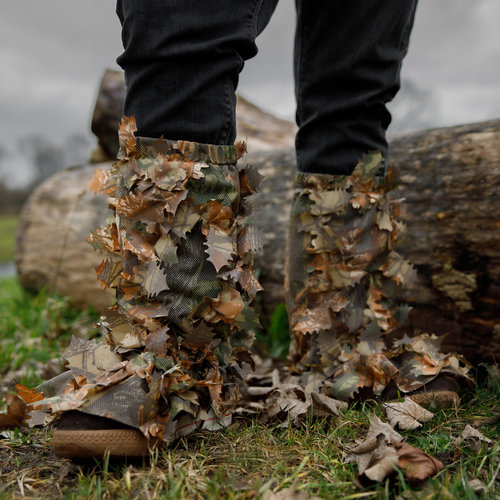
(347, 63)
(182, 59)
(342, 267)
(179, 251)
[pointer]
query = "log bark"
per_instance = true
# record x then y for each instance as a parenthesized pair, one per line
(450, 179)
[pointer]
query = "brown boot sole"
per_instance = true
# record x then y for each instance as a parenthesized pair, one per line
(436, 400)
(97, 443)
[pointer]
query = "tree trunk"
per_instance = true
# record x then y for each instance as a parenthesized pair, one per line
(450, 179)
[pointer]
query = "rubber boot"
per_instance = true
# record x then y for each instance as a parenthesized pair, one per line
(342, 271)
(179, 255)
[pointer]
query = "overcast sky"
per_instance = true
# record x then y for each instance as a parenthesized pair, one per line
(55, 51)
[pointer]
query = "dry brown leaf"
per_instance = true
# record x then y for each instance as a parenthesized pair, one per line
(375, 454)
(407, 415)
(383, 450)
(16, 412)
(384, 459)
(416, 465)
(290, 493)
(472, 437)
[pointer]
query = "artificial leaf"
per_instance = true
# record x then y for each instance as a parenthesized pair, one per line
(185, 219)
(407, 415)
(249, 282)
(249, 240)
(399, 269)
(157, 342)
(172, 200)
(168, 178)
(250, 179)
(166, 250)
(155, 281)
(104, 240)
(126, 136)
(109, 271)
(28, 395)
(135, 242)
(327, 202)
(218, 214)
(103, 181)
(220, 247)
(89, 356)
(383, 462)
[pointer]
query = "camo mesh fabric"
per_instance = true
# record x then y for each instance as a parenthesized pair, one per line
(342, 271)
(179, 255)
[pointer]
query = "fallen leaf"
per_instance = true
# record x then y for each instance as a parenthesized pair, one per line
(416, 465)
(407, 415)
(290, 493)
(472, 437)
(374, 453)
(382, 451)
(16, 412)
(385, 459)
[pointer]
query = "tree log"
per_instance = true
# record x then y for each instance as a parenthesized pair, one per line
(450, 179)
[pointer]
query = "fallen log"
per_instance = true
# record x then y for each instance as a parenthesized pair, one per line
(450, 179)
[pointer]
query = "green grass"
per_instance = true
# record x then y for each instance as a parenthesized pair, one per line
(8, 226)
(244, 461)
(34, 329)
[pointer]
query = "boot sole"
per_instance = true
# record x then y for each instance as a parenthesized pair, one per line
(437, 400)
(97, 443)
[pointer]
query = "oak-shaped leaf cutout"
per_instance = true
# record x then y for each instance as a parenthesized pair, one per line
(407, 415)
(220, 247)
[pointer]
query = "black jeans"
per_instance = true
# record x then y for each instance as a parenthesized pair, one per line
(182, 60)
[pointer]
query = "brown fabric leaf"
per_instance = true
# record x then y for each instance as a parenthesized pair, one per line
(249, 240)
(218, 214)
(157, 342)
(249, 282)
(126, 132)
(220, 247)
(109, 271)
(155, 280)
(103, 181)
(382, 450)
(28, 395)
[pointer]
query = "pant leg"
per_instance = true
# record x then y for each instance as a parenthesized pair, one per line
(182, 60)
(348, 57)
